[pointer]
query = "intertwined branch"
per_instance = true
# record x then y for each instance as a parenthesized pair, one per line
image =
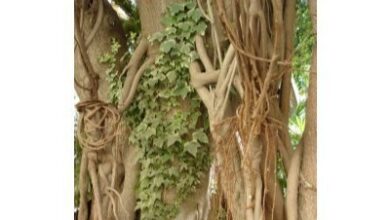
(260, 34)
(101, 130)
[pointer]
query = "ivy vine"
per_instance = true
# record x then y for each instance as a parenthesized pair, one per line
(166, 118)
(115, 84)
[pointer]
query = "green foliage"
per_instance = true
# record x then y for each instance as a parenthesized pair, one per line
(115, 84)
(132, 26)
(281, 174)
(166, 117)
(303, 43)
(297, 123)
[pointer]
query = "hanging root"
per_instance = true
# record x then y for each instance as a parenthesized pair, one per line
(292, 185)
(130, 95)
(83, 187)
(114, 201)
(97, 127)
(99, 19)
(131, 70)
(95, 185)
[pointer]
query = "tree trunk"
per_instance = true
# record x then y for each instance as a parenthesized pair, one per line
(100, 44)
(308, 184)
(96, 23)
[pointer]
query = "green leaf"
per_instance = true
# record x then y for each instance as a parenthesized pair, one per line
(157, 36)
(190, 5)
(201, 28)
(176, 8)
(150, 132)
(181, 90)
(185, 49)
(159, 142)
(164, 94)
(158, 181)
(200, 136)
(172, 139)
(166, 46)
(171, 75)
(181, 16)
(170, 30)
(185, 26)
(191, 147)
(195, 15)
(166, 157)
(168, 21)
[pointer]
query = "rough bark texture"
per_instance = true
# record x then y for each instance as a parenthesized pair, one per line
(100, 44)
(308, 184)
(97, 25)
(151, 13)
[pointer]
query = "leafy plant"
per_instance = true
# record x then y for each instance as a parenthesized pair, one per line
(303, 43)
(115, 83)
(166, 117)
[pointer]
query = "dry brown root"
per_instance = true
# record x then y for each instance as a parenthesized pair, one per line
(213, 87)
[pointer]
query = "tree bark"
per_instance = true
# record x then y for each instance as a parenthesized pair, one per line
(96, 23)
(110, 27)
(308, 185)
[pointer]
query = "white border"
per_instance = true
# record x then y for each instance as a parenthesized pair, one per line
(36, 113)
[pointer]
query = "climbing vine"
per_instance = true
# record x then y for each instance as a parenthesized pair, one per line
(115, 81)
(166, 118)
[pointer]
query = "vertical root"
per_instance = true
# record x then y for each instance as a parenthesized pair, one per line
(96, 188)
(292, 185)
(83, 187)
(258, 192)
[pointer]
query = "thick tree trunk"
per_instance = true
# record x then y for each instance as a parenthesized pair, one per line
(96, 24)
(151, 13)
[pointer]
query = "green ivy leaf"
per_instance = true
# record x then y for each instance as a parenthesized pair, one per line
(161, 90)
(159, 142)
(201, 28)
(150, 132)
(167, 45)
(168, 21)
(170, 30)
(200, 136)
(176, 8)
(185, 26)
(159, 36)
(195, 15)
(181, 16)
(171, 139)
(191, 147)
(171, 75)
(190, 5)
(181, 90)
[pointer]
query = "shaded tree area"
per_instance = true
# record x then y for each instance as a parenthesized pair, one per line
(195, 109)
